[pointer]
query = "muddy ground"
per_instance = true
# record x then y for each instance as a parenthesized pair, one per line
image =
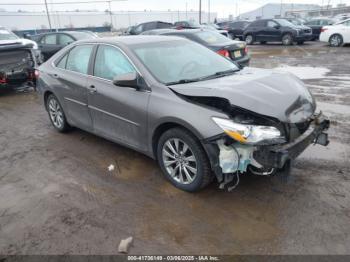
(57, 196)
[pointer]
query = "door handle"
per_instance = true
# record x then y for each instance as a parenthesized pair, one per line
(92, 89)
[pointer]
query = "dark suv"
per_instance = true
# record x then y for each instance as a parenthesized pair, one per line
(276, 30)
(136, 30)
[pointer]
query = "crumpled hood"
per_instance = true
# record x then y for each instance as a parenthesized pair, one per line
(271, 93)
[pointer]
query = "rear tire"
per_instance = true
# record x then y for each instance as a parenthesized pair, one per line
(56, 114)
(287, 39)
(249, 39)
(183, 160)
(300, 42)
(263, 42)
(336, 40)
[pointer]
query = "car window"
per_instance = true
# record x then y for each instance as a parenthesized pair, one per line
(271, 24)
(62, 63)
(139, 29)
(347, 23)
(49, 39)
(258, 23)
(210, 37)
(164, 25)
(64, 39)
(78, 59)
(110, 62)
(324, 22)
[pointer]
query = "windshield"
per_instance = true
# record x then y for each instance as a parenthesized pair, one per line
(7, 35)
(175, 61)
(284, 22)
(210, 37)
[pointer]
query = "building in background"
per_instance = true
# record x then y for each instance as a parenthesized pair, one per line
(276, 10)
(121, 19)
(328, 11)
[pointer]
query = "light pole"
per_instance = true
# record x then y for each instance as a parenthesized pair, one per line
(48, 15)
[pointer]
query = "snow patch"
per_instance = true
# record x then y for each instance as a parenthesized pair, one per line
(305, 72)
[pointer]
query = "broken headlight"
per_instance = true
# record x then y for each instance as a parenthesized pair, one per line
(250, 134)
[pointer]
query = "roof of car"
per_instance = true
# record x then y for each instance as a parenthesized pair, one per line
(131, 40)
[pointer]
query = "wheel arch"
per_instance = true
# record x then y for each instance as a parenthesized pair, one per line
(47, 93)
(165, 126)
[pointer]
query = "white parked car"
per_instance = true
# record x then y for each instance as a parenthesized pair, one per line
(337, 34)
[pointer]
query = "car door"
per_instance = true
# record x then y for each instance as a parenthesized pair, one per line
(48, 45)
(72, 79)
(259, 30)
(118, 113)
(272, 31)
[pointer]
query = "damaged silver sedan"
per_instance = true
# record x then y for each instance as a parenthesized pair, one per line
(178, 102)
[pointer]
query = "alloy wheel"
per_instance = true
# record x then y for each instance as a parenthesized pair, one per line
(179, 161)
(55, 112)
(335, 40)
(249, 39)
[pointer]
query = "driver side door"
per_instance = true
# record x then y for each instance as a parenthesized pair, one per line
(118, 113)
(272, 31)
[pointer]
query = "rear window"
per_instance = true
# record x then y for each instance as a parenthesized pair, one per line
(211, 37)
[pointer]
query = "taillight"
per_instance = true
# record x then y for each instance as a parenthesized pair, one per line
(246, 50)
(324, 29)
(224, 53)
(3, 79)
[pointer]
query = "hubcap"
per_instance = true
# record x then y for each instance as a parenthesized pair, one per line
(56, 114)
(249, 39)
(179, 161)
(335, 41)
(286, 40)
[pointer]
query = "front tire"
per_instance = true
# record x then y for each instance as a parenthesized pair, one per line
(56, 114)
(336, 40)
(183, 160)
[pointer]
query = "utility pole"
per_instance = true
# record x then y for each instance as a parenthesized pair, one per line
(186, 11)
(48, 15)
(200, 11)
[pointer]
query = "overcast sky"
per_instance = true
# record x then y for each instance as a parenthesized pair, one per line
(222, 7)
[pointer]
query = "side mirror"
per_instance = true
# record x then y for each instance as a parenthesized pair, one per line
(127, 80)
(277, 27)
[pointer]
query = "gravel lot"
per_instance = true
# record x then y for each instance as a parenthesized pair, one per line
(58, 197)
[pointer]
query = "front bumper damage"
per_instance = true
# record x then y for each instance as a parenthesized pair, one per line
(229, 158)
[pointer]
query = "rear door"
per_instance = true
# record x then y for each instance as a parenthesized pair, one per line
(48, 45)
(118, 113)
(72, 76)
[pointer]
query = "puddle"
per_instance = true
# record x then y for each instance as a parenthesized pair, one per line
(305, 72)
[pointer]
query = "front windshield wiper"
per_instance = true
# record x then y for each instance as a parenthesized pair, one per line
(216, 75)
(184, 81)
